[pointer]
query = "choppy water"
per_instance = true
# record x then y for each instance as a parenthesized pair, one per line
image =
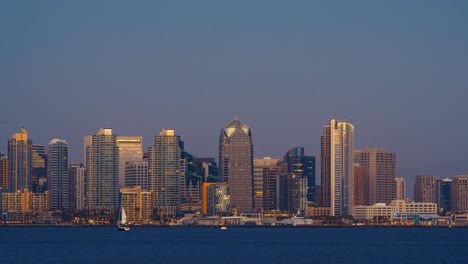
(235, 245)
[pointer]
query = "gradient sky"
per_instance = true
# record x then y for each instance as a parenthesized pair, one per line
(397, 70)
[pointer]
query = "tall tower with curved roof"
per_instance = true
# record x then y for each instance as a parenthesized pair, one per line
(236, 164)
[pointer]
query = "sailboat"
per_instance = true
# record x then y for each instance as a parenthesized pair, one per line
(122, 220)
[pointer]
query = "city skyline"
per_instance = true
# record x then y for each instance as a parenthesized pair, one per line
(395, 70)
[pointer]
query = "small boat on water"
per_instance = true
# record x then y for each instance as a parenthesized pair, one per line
(122, 220)
(224, 228)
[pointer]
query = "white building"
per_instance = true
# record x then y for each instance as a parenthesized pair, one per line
(376, 210)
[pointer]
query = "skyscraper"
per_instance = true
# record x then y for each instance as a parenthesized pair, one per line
(76, 186)
(130, 149)
(164, 171)
(400, 188)
(39, 168)
(443, 194)
(136, 174)
(57, 174)
(20, 161)
(102, 170)
(266, 174)
(459, 194)
(425, 189)
(379, 175)
(337, 166)
(359, 192)
(4, 172)
(236, 164)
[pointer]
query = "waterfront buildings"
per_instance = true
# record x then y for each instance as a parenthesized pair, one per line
(384, 212)
(400, 184)
(459, 193)
(138, 205)
(102, 171)
(20, 161)
(236, 164)
(216, 198)
(379, 175)
(164, 172)
(57, 174)
(130, 149)
(337, 167)
(266, 175)
(25, 201)
(425, 189)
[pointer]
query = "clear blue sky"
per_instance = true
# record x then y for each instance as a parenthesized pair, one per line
(397, 70)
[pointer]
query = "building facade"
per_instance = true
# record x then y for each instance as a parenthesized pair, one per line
(236, 164)
(137, 204)
(136, 174)
(39, 168)
(459, 193)
(102, 171)
(379, 175)
(216, 198)
(130, 149)
(57, 174)
(337, 167)
(400, 184)
(425, 189)
(4, 172)
(444, 195)
(20, 162)
(76, 186)
(266, 173)
(164, 172)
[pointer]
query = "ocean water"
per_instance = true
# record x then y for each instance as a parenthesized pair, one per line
(235, 245)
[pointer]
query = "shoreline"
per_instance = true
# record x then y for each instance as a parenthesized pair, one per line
(248, 226)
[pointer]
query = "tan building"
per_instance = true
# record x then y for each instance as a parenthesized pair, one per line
(459, 193)
(130, 149)
(266, 173)
(317, 211)
(369, 212)
(4, 172)
(425, 189)
(359, 197)
(25, 201)
(379, 174)
(137, 204)
(400, 188)
(414, 207)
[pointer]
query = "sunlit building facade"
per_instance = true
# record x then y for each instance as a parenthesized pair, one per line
(425, 188)
(4, 172)
(130, 149)
(216, 198)
(39, 168)
(20, 161)
(236, 164)
(337, 167)
(102, 171)
(400, 186)
(379, 175)
(266, 173)
(459, 193)
(164, 171)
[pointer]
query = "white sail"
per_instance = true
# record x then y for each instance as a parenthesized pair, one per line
(124, 217)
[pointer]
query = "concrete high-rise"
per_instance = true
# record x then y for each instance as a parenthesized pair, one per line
(400, 188)
(20, 162)
(337, 167)
(459, 194)
(164, 172)
(102, 171)
(379, 175)
(359, 183)
(266, 174)
(136, 174)
(57, 174)
(130, 149)
(425, 189)
(236, 164)
(76, 186)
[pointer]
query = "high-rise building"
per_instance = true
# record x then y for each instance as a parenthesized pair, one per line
(443, 194)
(400, 184)
(57, 174)
(190, 183)
(459, 193)
(137, 204)
(20, 161)
(425, 189)
(130, 149)
(337, 167)
(215, 198)
(164, 172)
(379, 175)
(136, 174)
(102, 171)
(266, 173)
(4, 172)
(76, 186)
(236, 164)
(39, 168)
